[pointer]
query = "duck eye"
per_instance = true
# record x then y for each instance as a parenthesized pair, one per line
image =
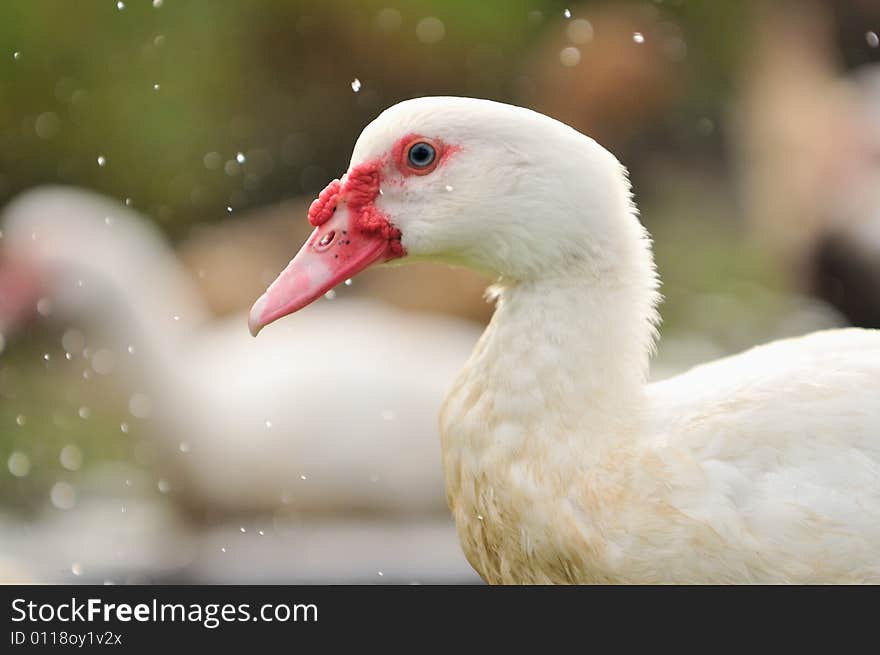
(421, 155)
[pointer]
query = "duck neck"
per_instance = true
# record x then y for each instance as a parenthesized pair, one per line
(136, 300)
(585, 344)
(562, 359)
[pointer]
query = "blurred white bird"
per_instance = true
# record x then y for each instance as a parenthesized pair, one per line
(562, 464)
(333, 414)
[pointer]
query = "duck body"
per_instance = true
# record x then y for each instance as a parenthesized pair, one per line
(707, 477)
(562, 464)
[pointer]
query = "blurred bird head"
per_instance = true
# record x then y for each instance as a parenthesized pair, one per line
(78, 256)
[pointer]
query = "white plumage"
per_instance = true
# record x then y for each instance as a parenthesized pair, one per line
(562, 463)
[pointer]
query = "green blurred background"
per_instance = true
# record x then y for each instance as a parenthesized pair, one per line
(169, 95)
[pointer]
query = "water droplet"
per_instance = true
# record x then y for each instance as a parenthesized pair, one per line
(261, 533)
(302, 477)
(19, 464)
(388, 20)
(638, 37)
(103, 362)
(184, 446)
(20, 420)
(240, 158)
(269, 424)
(130, 350)
(156, 87)
(873, 39)
(76, 568)
(44, 307)
(159, 41)
(569, 56)
(449, 187)
(47, 125)
(330, 295)
(108, 220)
(128, 202)
(430, 30)
(123, 427)
(242, 530)
(176, 317)
(348, 282)
(355, 85)
(157, 3)
(84, 412)
(16, 55)
(68, 356)
(140, 405)
(228, 209)
(567, 13)
(579, 31)
(120, 5)
(479, 517)
(212, 161)
(46, 357)
(163, 485)
(62, 495)
(73, 341)
(101, 160)
(380, 572)
(71, 457)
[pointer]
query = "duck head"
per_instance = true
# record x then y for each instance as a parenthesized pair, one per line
(89, 259)
(500, 189)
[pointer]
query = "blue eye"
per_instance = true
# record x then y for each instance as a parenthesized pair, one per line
(421, 155)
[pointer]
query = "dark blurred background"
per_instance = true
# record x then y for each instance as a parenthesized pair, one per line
(751, 131)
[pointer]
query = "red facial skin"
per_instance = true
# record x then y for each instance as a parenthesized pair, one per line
(351, 233)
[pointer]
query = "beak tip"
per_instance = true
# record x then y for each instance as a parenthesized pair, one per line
(255, 322)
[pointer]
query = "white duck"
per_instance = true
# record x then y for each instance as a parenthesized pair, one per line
(562, 464)
(247, 425)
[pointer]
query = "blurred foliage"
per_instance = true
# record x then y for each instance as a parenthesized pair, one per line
(154, 90)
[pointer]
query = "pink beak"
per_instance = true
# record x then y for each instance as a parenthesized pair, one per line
(336, 251)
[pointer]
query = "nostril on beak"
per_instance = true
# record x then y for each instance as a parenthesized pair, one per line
(326, 240)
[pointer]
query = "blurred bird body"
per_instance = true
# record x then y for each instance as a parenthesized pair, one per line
(247, 425)
(562, 464)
